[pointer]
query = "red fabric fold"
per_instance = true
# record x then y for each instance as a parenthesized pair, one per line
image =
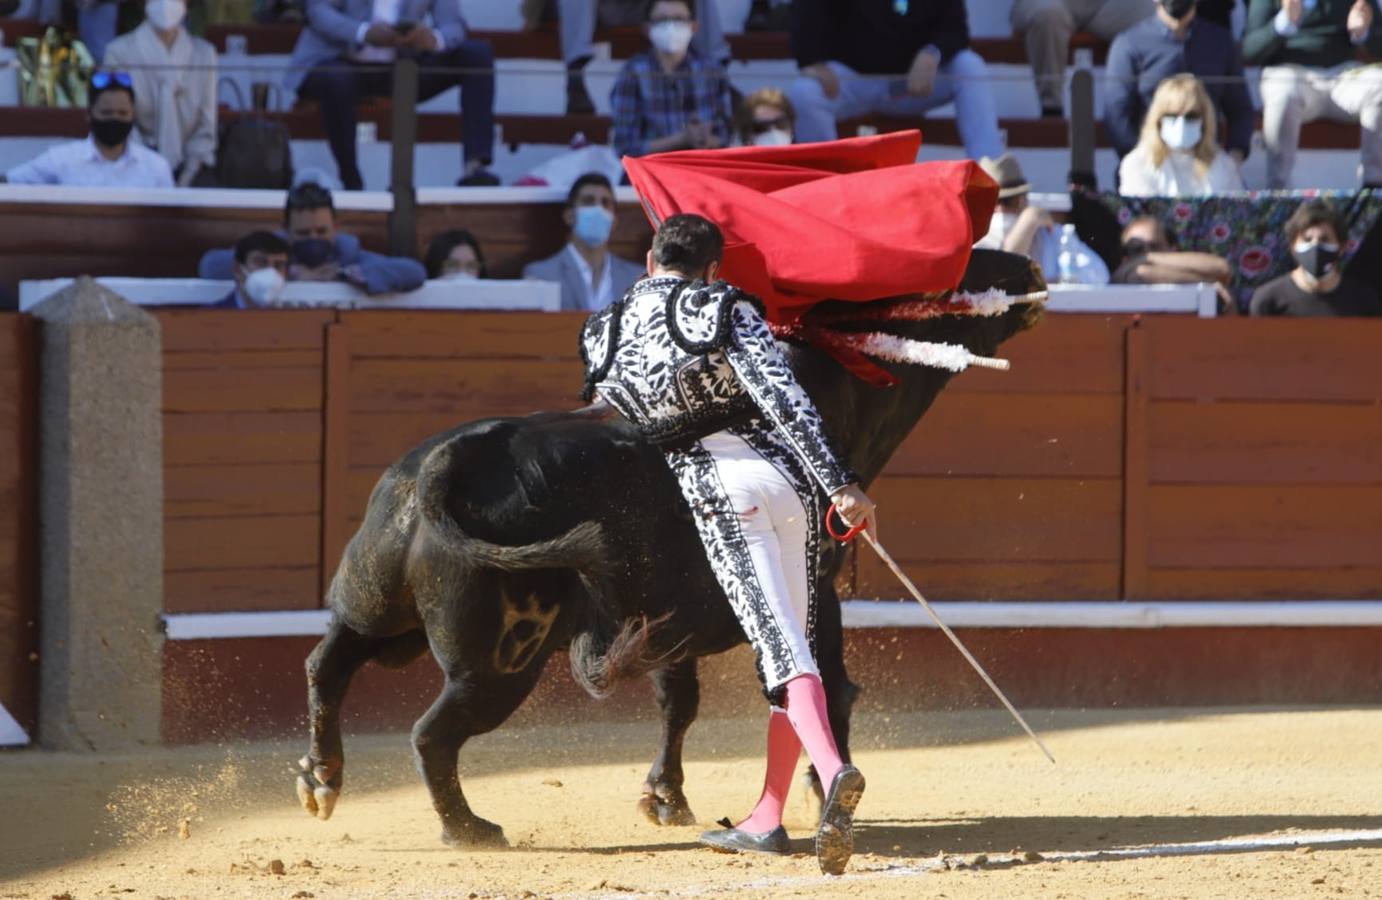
(855, 219)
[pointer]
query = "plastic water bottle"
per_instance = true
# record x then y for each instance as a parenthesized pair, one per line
(1066, 257)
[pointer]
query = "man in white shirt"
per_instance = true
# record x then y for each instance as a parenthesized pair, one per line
(344, 55)
(591, 277)
(106, 157)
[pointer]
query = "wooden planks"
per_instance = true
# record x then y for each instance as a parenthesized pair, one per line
(1263, 442)
(242, 402)
(19, 519)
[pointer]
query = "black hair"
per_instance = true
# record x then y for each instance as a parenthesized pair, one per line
(1315, 211)
(94, 93)
(587, 179)
(308, 195)
(687, 243)
(648, 8)
(442, 245)
(259, 242)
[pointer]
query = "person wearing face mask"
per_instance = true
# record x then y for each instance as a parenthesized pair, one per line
(318, 252)
(669, 97)
(591, 277)
(175, 83)
(1019, 227)
(261, 271)
(107, 157)
(1178, 154)
(1177, 39)
(1317, 286)
(765, 119)
(454, 256)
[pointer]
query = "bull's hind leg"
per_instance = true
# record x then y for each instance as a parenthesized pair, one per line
(329, 670)
(678, 696)
(469, 704)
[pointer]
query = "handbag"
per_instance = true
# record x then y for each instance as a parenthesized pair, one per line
(54, 70)
(253, 151)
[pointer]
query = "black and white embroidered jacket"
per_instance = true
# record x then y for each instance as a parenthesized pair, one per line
(682, 360)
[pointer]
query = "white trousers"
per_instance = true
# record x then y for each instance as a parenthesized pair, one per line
(759, 538)
(1293, 95)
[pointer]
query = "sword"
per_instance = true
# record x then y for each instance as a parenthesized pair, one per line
(907, 583)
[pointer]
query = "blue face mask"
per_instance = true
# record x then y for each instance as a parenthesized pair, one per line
(593, 224)
(313, 252)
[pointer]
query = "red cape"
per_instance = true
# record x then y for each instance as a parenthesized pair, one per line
(855, 219)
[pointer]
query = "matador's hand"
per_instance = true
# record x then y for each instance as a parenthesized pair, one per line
(854, 506)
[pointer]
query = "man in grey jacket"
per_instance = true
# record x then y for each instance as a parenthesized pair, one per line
(346, 53)
(318, 252)
(591, 277)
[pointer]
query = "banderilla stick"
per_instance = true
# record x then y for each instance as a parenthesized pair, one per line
(964, 651)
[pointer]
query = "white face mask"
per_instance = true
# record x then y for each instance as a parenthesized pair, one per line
(671, 37)
(458, 275)
(1180, 133)
(777, 137)
(165, 15)
(264, 287)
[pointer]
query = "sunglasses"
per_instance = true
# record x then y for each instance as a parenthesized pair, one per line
(1189, 117)
(763, 126)
(102, 80)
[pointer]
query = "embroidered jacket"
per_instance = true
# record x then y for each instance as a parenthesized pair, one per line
(682, 360)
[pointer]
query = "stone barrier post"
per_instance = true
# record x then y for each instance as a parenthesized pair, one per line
(100, 521)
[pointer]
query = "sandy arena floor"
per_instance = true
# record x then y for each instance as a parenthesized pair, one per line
(1142, 804)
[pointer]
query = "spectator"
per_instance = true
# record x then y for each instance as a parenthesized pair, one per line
(1173, 41)
(1317, 285)
(1046, 27)
(1150, 257)
(318, 252)
(591, 277)
(1178, 154)
(97, 20)
(765, 119)
(261, 270)
(1307, 50)
(840, 43)
(344, 55)
(578, 18)
(670, 97)
(1019, 227)
(455, 256)
(175, 85)
(107, 157)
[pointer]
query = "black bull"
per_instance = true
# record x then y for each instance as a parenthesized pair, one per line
(501, 541)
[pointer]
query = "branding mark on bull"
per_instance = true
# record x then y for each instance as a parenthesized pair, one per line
(525, 627)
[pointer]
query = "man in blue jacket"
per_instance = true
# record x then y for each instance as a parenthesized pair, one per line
(1169, 43)
(320, 253)
(346, 53)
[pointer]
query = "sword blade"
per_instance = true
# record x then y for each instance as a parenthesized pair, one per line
(964, 651)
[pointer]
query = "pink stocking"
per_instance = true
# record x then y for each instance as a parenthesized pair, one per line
(807, 712)
(783, 750)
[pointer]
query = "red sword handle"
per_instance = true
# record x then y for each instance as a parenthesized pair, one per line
(850, 534)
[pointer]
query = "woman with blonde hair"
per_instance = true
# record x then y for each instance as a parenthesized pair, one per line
(765, 118)
(1178, 154)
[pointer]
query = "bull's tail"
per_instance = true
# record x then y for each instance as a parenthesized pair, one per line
(581, 548)
(598, 662)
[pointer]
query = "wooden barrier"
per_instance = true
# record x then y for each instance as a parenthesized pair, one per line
(18, 519)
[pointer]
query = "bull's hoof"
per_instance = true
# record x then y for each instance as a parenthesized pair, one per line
(475, 834)
(318, 788)
(671, 809)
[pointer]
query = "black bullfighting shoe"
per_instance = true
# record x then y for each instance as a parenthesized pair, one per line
(732, 840)
(835, 837)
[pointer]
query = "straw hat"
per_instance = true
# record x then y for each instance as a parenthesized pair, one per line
(1008, 174)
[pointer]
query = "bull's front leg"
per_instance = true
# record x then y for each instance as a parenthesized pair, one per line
(678, 696)
(840, 692)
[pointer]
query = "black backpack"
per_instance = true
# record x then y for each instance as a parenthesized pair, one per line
(254, 151)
